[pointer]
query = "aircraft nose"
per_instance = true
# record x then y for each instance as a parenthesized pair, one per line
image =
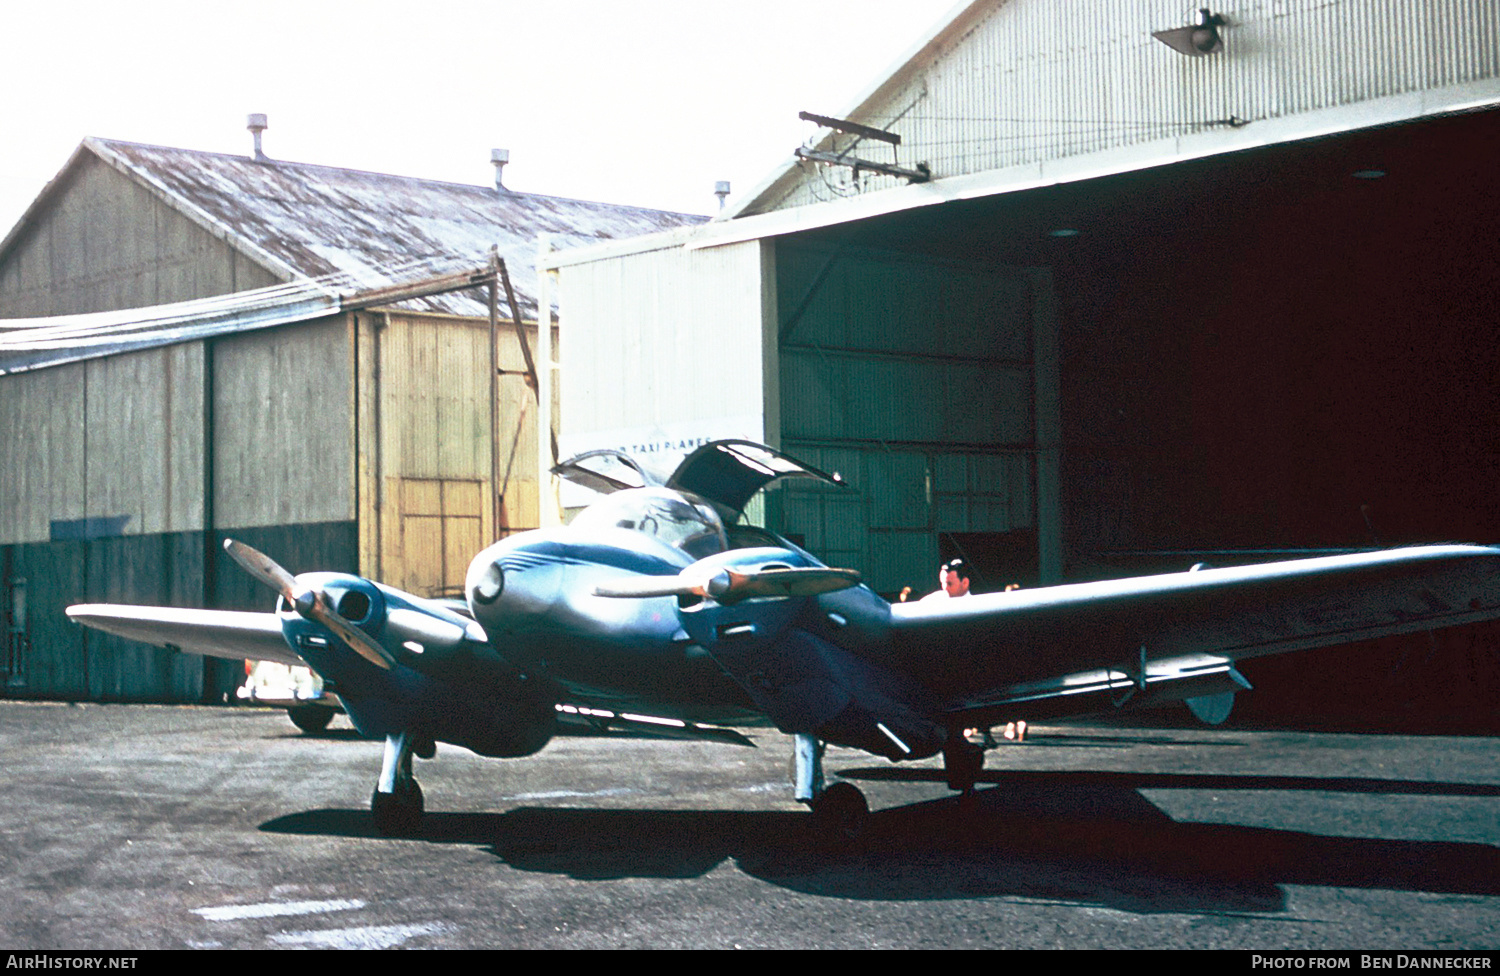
(485, 582)
(510, 583)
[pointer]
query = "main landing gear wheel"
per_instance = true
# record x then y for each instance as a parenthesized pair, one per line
(841, 811)
(962, 762)
(311, 719)
(398, 814)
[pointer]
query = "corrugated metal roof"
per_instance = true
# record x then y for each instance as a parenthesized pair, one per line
(36, 343)
(27, 344)
(313, 221)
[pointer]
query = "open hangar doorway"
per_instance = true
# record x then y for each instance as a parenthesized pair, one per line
(1289, 348)
(912, 376)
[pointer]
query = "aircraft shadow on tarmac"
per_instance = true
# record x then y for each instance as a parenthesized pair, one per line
(1074, 838)
(325, 735)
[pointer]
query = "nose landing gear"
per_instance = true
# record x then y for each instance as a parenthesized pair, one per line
(396, 805)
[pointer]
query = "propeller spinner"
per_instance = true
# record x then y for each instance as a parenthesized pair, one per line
(308, 602)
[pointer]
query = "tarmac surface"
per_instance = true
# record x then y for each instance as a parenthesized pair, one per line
(158, 827)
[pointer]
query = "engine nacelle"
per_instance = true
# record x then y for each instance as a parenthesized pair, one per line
(522, 720)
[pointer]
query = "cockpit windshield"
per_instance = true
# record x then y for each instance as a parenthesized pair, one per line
(678, 519)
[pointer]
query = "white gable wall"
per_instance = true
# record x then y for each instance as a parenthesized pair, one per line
(1018, 83)
(666, 347)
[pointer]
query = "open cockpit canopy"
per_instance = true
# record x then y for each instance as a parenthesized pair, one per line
(727, 473)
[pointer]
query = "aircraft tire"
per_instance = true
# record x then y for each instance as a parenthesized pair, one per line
(962, 763)
(398, 814)
(311, 719)
(841, 811)
(1212, 709)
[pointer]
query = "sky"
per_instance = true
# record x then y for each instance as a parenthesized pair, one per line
(643, 102)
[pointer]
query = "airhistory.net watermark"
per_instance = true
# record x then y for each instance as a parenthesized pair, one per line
(67, 960)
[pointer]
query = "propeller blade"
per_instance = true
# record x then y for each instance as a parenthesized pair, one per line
(788, 582)
(348, 633)
(640, 587)
(263, 568)
(316, 609)
(731, 586)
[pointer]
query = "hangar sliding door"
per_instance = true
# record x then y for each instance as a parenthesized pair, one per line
(930, 385)
(425, 466)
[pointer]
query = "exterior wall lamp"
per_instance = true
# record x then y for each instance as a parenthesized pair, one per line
(1198, 38)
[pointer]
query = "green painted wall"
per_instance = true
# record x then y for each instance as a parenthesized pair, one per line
(56, 659)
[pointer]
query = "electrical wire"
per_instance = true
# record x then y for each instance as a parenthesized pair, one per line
(31, 332)
(1041, 138)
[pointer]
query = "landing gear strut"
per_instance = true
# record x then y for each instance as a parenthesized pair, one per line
(396, 804)
(840, 810)
(963, 761)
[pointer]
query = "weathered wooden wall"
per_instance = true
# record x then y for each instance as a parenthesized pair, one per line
(427, 465)
(106, 243)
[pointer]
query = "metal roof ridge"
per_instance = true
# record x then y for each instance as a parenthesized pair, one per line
(486, 190)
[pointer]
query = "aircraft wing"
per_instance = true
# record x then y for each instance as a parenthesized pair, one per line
(232, 634)
(1068, 649)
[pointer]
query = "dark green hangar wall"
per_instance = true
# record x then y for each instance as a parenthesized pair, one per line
(929, 384)
(46, 656)
(123, 476)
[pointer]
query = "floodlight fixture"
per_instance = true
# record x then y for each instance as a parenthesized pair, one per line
(1196, 39)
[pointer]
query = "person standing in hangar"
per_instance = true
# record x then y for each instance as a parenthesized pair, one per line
(954, 582)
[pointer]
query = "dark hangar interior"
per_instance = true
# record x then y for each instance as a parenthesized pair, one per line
(1292, 347)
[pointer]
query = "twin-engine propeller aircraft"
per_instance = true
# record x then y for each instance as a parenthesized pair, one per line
(655, 602)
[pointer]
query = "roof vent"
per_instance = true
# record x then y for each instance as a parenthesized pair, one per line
(256, 123)
(498, 159)
(721, 190)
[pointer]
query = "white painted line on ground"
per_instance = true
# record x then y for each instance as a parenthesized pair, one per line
(574, 794)
(366, 937)
(228, 913)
